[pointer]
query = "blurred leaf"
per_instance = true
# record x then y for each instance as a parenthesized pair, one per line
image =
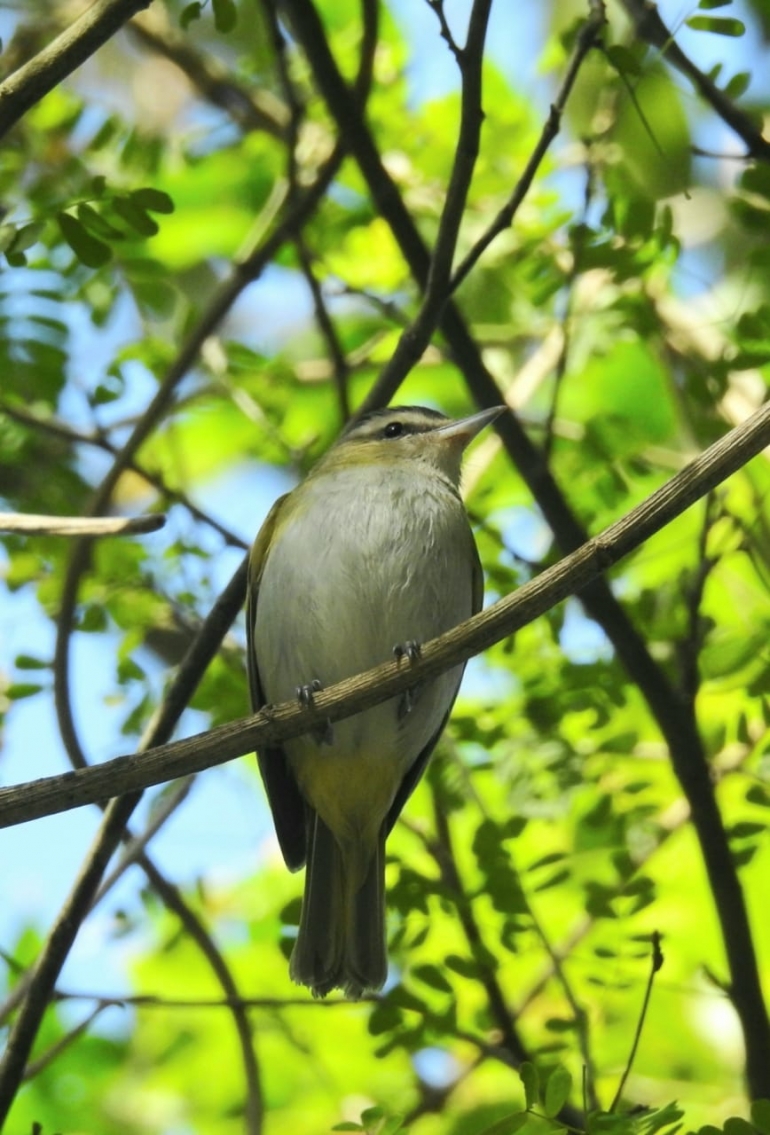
(528, 1074)
(225, 15)
(717, 25)
(90, 251)
(557, 1090)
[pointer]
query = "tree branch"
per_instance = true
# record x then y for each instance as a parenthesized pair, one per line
(418, 334)
(274, 724)
(587, 38)
(49, 67)
(651, 28)
(31, 525)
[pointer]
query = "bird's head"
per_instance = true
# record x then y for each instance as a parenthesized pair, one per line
(402, 434)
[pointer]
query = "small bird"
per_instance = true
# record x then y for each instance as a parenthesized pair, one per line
(371, 555)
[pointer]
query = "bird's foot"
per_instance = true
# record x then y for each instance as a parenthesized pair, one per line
(322, 734)
(411, 650)
(306, 694)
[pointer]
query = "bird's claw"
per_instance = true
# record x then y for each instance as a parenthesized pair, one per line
(306, 693)
(411, 650)
(322, 734)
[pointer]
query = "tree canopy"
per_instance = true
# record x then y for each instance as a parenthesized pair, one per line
(227, 228)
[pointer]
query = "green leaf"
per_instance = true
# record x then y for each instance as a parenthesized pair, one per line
(760, 1115)
(96, 223)
(93, 619)
(738, 85)
(225, 15)
(530, 1078)
(717, 25)
(623, 60)
(709, 5)
(745, 828)
(156, 297)
(392, 1124)
(348, 1124)
(29, 662)
(466, 967)
(188, 14)
(758, 794)
(737, 1126)
(7, 236)
(154, 200)
(89, 250)
(432, 976)
(135, 217)
(26, 236)
(371, 1116)
(508, 1125)
(18, 690)
(743, 857)
(557, 1090)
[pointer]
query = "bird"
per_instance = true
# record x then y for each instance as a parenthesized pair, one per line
(369, 556)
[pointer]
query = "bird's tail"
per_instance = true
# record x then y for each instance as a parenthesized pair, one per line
(341, 939)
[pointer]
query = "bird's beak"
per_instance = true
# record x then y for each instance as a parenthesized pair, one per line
(464, 430)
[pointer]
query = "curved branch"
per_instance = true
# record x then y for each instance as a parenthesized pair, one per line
(279, 723)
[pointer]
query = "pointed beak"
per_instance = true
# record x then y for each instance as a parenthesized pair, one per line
(464, 430)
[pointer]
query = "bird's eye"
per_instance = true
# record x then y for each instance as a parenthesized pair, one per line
(393, 429)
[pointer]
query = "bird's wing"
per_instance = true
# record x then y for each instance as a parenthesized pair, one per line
(417, 768)
(283, 795)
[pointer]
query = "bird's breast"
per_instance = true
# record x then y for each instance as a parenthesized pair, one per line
(361, 562)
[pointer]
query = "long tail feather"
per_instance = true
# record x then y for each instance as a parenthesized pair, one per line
(341, 939)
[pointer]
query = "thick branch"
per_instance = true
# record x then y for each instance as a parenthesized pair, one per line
(49, 67)
(49, 795)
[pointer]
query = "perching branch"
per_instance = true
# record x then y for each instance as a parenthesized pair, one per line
(272, 725)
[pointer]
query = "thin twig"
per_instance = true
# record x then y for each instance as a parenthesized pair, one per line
(437, 6)
(35, 1067)
(689, 647)
(99, 440)
(575, 269)
(31, 525)
(336, 352)
(587, 38)
(250, 107)
(416, 337)
(655, 965)
(651, 28)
